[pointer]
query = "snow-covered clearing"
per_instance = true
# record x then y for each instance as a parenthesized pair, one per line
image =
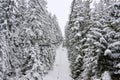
(61, 70)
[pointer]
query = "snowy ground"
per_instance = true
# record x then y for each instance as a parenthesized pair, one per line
(61, 70)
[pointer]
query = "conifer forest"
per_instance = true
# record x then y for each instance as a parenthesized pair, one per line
(33, 46)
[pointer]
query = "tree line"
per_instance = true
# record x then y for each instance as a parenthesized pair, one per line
(93, 40)
(27, 34)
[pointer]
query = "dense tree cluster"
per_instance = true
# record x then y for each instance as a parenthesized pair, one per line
(29, 36)
(93, 40)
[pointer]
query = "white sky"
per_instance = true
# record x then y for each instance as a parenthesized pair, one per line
(61, 8)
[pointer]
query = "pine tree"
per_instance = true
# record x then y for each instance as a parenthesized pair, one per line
(76, 34)
(93, 44)
(111, 35)
(26, 47)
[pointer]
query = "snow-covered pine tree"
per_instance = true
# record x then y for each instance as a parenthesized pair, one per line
(7, 31)
(108, 59)
(99, 38)
(26, 47)
(57, 32)
(41, 20)
(38, 40)
(97, 54)
(76, 34)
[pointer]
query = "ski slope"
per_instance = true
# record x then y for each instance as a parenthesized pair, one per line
(61, 70)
